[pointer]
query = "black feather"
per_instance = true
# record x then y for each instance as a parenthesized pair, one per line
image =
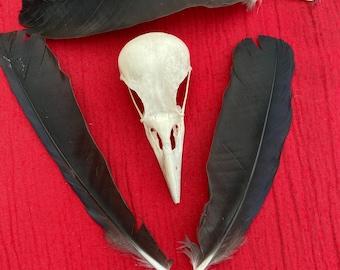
(245, 154)
(77, 18)
(45, 95)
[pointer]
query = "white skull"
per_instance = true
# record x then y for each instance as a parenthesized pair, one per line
(154, 65)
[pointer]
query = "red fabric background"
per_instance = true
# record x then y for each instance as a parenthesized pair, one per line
(43, 224)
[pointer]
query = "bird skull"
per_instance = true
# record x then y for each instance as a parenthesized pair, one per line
(154, 65)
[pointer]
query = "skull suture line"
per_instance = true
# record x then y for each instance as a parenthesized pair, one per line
(154, 65)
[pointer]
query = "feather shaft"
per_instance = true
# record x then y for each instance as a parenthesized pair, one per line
(45, 95)
(252, 126)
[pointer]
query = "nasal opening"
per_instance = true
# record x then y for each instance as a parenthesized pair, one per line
(174, 132)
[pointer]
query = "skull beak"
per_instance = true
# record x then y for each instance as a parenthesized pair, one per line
(167, 144)
(172, 174)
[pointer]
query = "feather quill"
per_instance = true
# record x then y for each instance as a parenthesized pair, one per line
(253, 123)
(45, 94)
(78, 18)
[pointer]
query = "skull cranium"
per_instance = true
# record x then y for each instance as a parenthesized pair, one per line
(154, 65)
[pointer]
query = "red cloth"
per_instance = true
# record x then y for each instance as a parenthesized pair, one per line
(44, 225)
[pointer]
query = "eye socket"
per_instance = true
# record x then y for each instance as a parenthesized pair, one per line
(137, 101)
(180, 96)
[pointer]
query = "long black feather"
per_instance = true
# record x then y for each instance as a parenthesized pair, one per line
(245, 154)
(77, 18)
(45, 95)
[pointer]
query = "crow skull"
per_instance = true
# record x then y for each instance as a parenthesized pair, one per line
(154, 65)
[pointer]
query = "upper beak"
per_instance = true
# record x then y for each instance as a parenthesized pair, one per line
(169, 156)
(171, 169)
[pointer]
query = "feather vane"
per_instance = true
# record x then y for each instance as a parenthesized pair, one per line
(252, 126)
(45, 94)
(78, 18)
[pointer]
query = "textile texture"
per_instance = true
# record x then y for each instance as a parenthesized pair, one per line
(45, 226)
